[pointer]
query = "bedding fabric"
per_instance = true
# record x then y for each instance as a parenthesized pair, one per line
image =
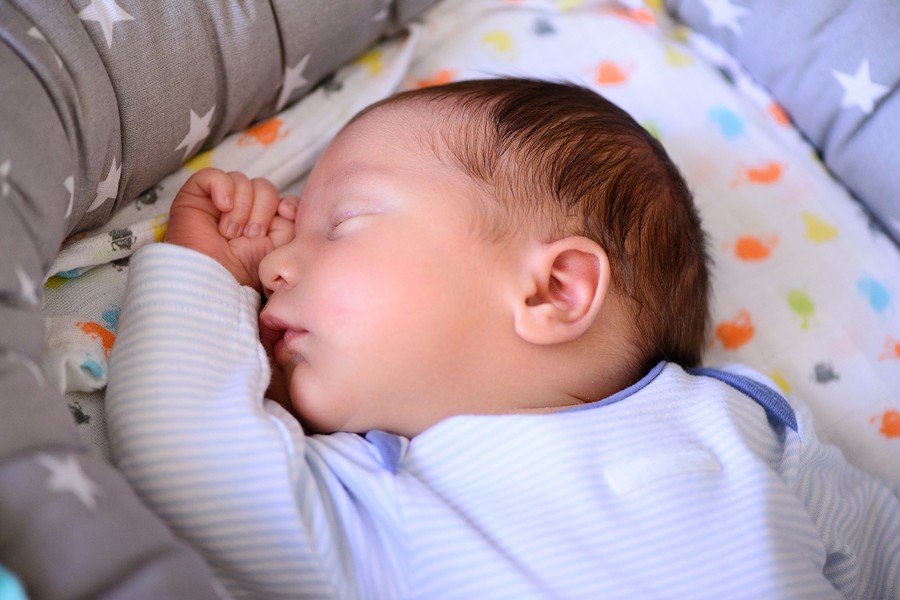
(836, 72)
(100, 99)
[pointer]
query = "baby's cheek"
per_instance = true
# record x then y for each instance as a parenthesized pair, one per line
(299, 399)
(351, 312)
(316, 405)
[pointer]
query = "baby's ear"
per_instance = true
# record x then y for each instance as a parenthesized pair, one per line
(568, 280)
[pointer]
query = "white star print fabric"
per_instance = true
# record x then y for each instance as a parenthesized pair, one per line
(100, 100)
(108, 188)
(199, 131)
(67, 476)
(722, 13)
(293, 81)
(106, 13)
(834, 65)
(859, 89)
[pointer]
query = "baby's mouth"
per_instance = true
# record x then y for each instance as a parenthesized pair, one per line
(287, 349)
(270, 331)
(284, 355)
(292, 337)
(280, 341)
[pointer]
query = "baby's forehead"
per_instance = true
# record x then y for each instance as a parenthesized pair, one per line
(404, 136)
(393, 138)
(425, 118)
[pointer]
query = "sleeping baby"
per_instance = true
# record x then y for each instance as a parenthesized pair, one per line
(475, 375)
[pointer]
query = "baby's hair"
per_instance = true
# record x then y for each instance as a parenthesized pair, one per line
(564, 157)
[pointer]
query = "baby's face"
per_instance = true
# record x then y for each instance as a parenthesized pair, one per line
(386, 310)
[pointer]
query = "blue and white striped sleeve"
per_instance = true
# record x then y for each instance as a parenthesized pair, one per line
(189, 427)
(857, 515)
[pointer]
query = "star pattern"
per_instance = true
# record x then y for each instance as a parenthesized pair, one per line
(859, 89)
(29, 289)
(5, 167)
(69, 184)
(722, 13)
(384, 13)
(36, 34)
(107, 13)
(199, 131)
(66, 475)
(109, 187)
(293, 80)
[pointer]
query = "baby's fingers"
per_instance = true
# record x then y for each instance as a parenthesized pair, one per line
(220, 189)
(209, 190)
(281, 231)
(233, 220)
(287, 208)
(265, 205)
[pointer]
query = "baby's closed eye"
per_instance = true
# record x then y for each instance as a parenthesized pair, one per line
(346, 221)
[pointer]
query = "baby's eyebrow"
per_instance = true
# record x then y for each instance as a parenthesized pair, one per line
(362, 189)
(345, 173)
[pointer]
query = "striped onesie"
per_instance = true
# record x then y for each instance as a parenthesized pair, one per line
(702, 484)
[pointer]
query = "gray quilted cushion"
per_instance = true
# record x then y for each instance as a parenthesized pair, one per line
(834, 65)
(99, 99)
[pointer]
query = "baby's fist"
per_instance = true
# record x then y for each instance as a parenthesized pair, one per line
(231, 218)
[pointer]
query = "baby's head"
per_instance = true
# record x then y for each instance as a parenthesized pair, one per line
(512, 246)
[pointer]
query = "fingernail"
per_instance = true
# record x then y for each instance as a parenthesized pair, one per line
(253, 230)
(226, 201)
(231, 231)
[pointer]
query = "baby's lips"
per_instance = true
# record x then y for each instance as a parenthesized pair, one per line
(270, 330)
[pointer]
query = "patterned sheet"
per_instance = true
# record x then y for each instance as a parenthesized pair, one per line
(806, 287)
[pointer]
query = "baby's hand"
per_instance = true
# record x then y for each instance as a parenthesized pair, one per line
(233, 219)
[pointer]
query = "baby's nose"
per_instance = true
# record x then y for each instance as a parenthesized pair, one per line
(276, 270)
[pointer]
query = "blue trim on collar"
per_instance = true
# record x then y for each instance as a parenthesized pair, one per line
(778, 411)
(390, 447)
(625, 393)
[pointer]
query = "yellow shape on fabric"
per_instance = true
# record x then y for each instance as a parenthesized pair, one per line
(372, 60)
(817, 229)
(159, 224)
(499, 40)
(676, 58)
(655, 5)
(55, 282)
(681, 33)
(569, 4)
(780, 381)
(201, 161)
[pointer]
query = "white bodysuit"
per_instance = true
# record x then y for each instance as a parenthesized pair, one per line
(681, 486)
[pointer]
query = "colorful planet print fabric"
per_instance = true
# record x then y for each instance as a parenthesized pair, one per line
(806, 287)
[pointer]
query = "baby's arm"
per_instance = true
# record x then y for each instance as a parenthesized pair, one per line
(858, 516)
(190, 430)
(232, 219)
(231, 473)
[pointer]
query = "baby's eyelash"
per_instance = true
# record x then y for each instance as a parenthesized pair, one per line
(340, 218)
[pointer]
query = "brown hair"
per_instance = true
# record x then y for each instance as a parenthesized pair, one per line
(564, 152)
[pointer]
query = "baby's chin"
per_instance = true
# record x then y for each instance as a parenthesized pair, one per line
(280, 391)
